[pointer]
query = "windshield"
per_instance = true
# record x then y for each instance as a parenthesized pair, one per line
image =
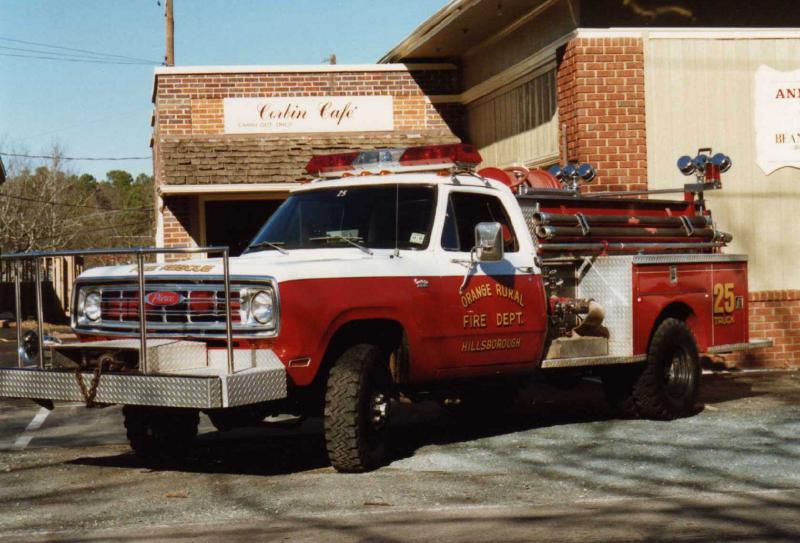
(343, 217)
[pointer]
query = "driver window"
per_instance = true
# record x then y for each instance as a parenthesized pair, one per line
(464, 211)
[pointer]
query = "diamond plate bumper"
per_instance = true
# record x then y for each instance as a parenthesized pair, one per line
(204, 390)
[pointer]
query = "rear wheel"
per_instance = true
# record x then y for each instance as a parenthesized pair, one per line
(667, 385)
(357, 402)
(160, 433)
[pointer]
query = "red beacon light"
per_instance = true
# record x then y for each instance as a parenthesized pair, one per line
(459, 156)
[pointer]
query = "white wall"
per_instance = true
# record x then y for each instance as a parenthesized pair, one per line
(699, 93)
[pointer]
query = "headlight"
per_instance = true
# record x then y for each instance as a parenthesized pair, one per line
(258, 306)
(262, 307)
(91, 306)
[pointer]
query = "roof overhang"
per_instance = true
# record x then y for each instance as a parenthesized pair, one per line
(229, 188)
(459, 26)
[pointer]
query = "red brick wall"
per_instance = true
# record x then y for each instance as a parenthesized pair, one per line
(775, 314)
(191, 104)
(178, 219)
(600, 84)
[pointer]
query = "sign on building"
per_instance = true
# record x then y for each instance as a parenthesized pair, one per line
(308, 114)
(777, 118)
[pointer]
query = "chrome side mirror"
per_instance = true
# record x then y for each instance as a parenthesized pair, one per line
(488, 241)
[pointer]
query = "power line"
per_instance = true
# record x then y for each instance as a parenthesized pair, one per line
(65, 204)
(116, 226)
(76, 158)
(123, 210)
(64, 59)
(67, 56)
(87, 51)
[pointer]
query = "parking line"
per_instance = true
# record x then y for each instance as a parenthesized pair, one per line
(24, 440)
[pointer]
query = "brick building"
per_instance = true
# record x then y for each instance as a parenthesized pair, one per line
(625, 85)
(232, 141)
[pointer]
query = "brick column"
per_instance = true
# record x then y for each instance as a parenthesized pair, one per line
(775, 314)
(178, 224)
(600, 85)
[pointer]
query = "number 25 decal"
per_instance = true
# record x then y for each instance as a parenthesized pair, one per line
(724, 298)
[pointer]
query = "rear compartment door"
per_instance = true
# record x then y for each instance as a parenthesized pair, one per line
(714, 287)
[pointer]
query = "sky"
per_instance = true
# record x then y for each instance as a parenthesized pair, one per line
(103, 109)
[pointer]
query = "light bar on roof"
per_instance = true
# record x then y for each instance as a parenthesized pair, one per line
(395, 160)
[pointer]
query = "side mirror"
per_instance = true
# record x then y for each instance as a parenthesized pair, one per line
(489, 241)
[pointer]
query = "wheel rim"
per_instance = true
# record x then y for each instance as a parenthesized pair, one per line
(379, 410)
(678, 374)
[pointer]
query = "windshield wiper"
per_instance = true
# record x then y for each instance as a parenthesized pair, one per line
(273, 244)
(345, 239)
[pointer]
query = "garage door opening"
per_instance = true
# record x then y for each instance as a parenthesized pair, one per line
(235, 222)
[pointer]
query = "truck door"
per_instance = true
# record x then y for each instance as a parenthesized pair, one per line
(497, 317)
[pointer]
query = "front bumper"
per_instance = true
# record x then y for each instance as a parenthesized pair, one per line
(202, 383)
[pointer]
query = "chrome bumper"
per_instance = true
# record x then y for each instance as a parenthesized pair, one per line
(187, 375)
(242, 388)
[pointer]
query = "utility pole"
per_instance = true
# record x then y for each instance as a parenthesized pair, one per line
(170, 33)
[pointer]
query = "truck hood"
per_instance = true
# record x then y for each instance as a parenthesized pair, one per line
(298, 264)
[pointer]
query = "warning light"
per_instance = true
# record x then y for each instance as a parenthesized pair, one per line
(460, 156)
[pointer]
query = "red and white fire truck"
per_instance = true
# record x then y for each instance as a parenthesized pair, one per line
(404, 274)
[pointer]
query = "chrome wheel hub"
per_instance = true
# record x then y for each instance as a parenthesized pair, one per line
(379, 410)
(678, 374)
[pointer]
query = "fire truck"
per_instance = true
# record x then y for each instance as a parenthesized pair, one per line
(399, 275)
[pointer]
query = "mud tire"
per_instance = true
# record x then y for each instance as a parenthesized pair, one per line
(355, 442)
(666, 386)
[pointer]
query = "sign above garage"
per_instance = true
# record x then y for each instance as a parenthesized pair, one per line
(777, 118)
(308, 114)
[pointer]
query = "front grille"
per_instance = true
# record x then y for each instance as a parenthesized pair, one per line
(201, 304)
(198, 310)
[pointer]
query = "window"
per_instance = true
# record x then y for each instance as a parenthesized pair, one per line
(235, 222)
(464, 211)
(366, 215)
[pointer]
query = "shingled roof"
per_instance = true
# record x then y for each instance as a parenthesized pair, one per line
(199, 160)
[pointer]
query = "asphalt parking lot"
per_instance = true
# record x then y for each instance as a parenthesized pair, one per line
(558, 468)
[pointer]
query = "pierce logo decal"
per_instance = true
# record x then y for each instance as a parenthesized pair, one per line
(163, 298)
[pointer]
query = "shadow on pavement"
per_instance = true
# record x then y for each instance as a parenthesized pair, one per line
(728, 474)
(274, 450)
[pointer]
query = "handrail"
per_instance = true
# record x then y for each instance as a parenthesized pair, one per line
(140, 253)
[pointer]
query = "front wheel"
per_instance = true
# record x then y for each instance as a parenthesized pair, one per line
(357, 403)
(667, 385)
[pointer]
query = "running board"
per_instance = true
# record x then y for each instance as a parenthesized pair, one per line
(589, 361)
(734, 347)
